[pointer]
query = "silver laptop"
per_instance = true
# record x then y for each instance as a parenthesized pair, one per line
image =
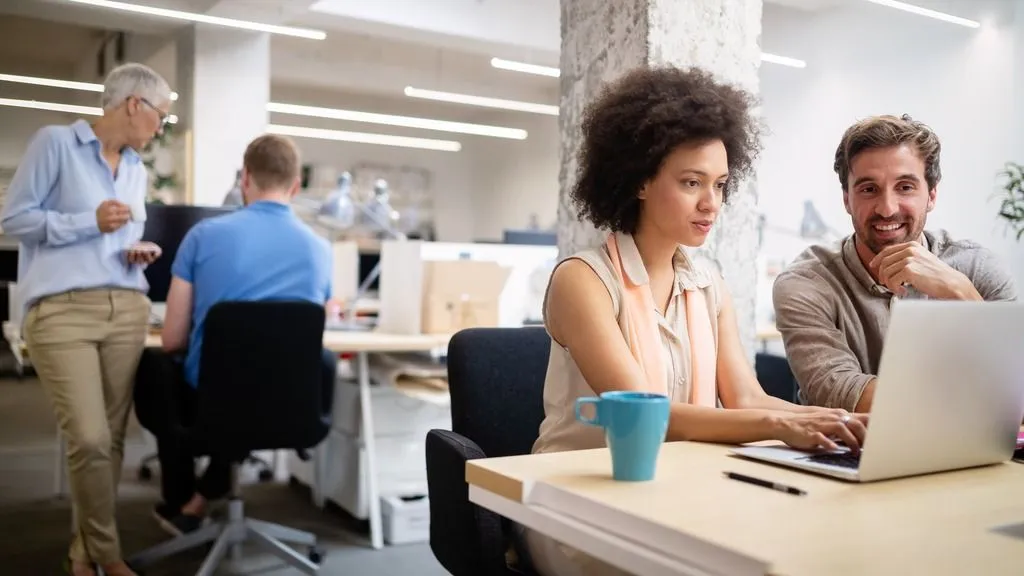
(950, 395)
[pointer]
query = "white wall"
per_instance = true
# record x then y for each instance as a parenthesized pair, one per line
(515, 179)
(865, 60)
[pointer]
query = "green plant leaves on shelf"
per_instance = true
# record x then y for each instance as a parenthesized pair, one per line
(1011, 206)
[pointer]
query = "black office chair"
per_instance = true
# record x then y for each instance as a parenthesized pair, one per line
(776, 377)
(496, 378)
(264, 384)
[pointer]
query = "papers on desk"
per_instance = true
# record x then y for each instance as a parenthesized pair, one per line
(415, 375)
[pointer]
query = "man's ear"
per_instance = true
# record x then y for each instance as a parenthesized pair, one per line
(931, 198)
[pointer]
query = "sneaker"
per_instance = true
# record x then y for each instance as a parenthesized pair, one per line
(174, 522)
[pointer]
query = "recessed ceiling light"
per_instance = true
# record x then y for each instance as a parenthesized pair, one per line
(205, 19)
(926, 12)
(392, 120)
(485, 102)
(57, 107)
(69, 84)
(366, 138)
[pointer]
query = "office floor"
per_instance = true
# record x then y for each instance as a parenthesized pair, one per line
(34, 524)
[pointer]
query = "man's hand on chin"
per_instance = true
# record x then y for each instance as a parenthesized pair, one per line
(911, 264)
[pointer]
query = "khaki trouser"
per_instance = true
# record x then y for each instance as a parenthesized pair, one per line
(552, 558)
(85, 347)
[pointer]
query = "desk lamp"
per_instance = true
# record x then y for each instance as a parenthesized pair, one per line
(339, 212)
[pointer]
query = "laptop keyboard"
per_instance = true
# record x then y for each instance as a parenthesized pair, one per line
(844, 459)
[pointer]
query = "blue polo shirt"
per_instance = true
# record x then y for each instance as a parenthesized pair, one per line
(51, 210)
(260, 252)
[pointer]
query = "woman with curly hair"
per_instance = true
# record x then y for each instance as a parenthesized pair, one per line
(663, 149)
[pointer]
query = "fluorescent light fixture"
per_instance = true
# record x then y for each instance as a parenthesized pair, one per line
(392, 120)
(69, 108)
(69, 84)
(554, 72)
(205, 19)
(783, 60)
(926, 12)
(365, 138)
(481, 101)
(524, 67)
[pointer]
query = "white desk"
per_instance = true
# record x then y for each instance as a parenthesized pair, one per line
(361, 344)
(692, 520)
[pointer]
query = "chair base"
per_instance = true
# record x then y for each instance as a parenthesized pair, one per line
(228, 535)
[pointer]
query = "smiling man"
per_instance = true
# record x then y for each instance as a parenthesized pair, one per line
(832, 304)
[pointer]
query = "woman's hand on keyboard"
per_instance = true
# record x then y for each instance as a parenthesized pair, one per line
(815, 429)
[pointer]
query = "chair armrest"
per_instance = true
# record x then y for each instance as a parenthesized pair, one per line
(466, 539)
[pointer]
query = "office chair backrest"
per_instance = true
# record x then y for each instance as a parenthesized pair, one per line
(496, 378)
(261, 380)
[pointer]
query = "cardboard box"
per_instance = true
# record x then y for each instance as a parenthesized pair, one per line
(460, 294)
(344, 270)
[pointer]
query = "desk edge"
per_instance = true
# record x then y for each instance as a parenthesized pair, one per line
(504, 486)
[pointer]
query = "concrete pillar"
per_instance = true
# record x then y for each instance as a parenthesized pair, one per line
(223, 82)
(600, 41)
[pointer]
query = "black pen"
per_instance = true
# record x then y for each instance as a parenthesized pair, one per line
(765, 483)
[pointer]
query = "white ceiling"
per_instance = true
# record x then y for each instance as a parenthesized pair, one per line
(373, 47)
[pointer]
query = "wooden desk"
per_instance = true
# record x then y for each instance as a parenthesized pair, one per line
(362, 344)
(692, 520)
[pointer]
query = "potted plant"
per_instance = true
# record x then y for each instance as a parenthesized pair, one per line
(1011, 207)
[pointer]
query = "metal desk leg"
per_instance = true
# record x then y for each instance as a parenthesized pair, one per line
(319, 473)
(319, 456)
(376, 528)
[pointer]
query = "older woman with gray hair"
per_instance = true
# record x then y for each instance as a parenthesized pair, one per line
(76, 205)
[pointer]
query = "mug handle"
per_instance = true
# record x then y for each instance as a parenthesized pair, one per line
(596, 401)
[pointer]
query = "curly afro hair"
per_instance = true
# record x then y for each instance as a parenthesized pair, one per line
(639, 120)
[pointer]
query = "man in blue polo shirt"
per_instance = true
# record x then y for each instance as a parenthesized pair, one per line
(260, 252)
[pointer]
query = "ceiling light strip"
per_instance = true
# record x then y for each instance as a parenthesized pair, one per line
(205, 19)
(524, 67)
(927, 12)
(68, 108)
(300, 110)
(365, 138)
(553, 72)
(298, 131)
(69, 84)
(783, 60)
(470, 100)
(393, 120)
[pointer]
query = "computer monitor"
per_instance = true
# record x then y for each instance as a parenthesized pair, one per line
(530, 237)
(166, 226)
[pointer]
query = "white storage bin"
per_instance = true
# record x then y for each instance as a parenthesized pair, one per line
(401, 470)
(394, 412)
(405, 520)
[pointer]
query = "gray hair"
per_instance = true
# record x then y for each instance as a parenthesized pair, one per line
(134, 80)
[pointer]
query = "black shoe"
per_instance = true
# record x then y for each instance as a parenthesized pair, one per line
(174, 522)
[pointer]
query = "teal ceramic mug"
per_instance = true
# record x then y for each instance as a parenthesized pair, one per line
(635, 425)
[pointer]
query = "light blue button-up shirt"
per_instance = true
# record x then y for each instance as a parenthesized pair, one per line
(51, 210)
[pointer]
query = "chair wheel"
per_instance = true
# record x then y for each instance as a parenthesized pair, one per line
(145, 473)
(266, 475)
(315, 555)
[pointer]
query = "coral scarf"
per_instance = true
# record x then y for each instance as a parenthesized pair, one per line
(645, 341)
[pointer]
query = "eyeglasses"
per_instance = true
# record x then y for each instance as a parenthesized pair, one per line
(164, 116)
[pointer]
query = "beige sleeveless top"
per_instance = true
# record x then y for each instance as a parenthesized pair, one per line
(563, 384)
